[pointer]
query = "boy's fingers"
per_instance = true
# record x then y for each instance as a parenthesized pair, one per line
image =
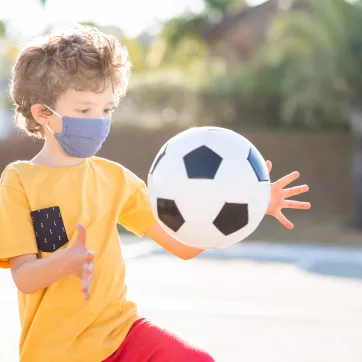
(88, 269)
(286, 180)
(87, 279)
(81, 236)
(284, 221)
(89, 256)
(294, 191)
(86, 294)
(291, 204)
(269, 165)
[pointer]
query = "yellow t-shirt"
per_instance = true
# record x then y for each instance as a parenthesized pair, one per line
(57, 323)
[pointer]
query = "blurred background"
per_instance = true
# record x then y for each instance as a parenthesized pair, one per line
(288, 76)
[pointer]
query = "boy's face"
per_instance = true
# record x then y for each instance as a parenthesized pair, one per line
(83, 105)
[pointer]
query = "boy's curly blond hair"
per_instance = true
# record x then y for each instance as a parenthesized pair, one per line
(82, 59)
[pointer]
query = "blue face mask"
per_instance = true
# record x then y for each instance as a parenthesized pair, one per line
(81, 137)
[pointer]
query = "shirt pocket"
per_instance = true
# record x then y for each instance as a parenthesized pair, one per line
(49, 229)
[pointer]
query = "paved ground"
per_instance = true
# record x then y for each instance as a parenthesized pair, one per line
(238, 310)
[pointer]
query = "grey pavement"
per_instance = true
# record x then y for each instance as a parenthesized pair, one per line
(237, 309)
(325, 260)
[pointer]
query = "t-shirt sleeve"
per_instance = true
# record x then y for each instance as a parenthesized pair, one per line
(17, 235)
(136, 214)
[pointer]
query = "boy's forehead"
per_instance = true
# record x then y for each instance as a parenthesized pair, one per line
(90, 98)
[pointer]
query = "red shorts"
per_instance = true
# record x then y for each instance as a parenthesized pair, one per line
(145, 342)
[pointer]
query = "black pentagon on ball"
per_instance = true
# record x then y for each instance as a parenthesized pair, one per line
(169, 214)
(232, 218)
(158, 159)
(258, 164)
(202, 163)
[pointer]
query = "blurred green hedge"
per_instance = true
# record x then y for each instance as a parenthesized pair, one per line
(244, 97)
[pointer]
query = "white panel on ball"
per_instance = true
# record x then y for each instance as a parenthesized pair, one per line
(169, 179)
(206, 200)
(186, 141)
(228, 144)
(200, 235)
(235, 180)
(259, 201)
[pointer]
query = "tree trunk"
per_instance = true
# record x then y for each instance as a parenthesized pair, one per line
(356, 127)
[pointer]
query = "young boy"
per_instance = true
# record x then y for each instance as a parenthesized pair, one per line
(58, 212)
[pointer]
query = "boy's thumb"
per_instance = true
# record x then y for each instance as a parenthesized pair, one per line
(81, 237)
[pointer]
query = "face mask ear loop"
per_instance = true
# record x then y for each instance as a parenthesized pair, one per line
(56, 113)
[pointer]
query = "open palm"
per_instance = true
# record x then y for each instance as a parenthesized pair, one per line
(279, 197)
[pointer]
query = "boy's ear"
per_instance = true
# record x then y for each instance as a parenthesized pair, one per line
(40, 114)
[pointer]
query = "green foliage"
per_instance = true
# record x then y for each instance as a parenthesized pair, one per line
(351, 67)
(202, 97)
(138, 54)
(181, 27)
(88, 23)
(2, 29)
(223, 6)
(163, 89)
(190, 25)
(317, 49)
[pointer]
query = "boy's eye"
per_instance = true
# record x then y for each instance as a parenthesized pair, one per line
(109, 110)
(84, 111)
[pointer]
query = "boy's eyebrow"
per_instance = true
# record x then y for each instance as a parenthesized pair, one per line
(92, 103)
(82, 102)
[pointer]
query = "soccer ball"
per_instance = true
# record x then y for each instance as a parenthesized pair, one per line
(209, 187)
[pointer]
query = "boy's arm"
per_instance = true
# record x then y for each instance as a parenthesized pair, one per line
(31, 274)
(166, 241)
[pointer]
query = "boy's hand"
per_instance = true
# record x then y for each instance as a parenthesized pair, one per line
(81, 260)
(279, 195)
